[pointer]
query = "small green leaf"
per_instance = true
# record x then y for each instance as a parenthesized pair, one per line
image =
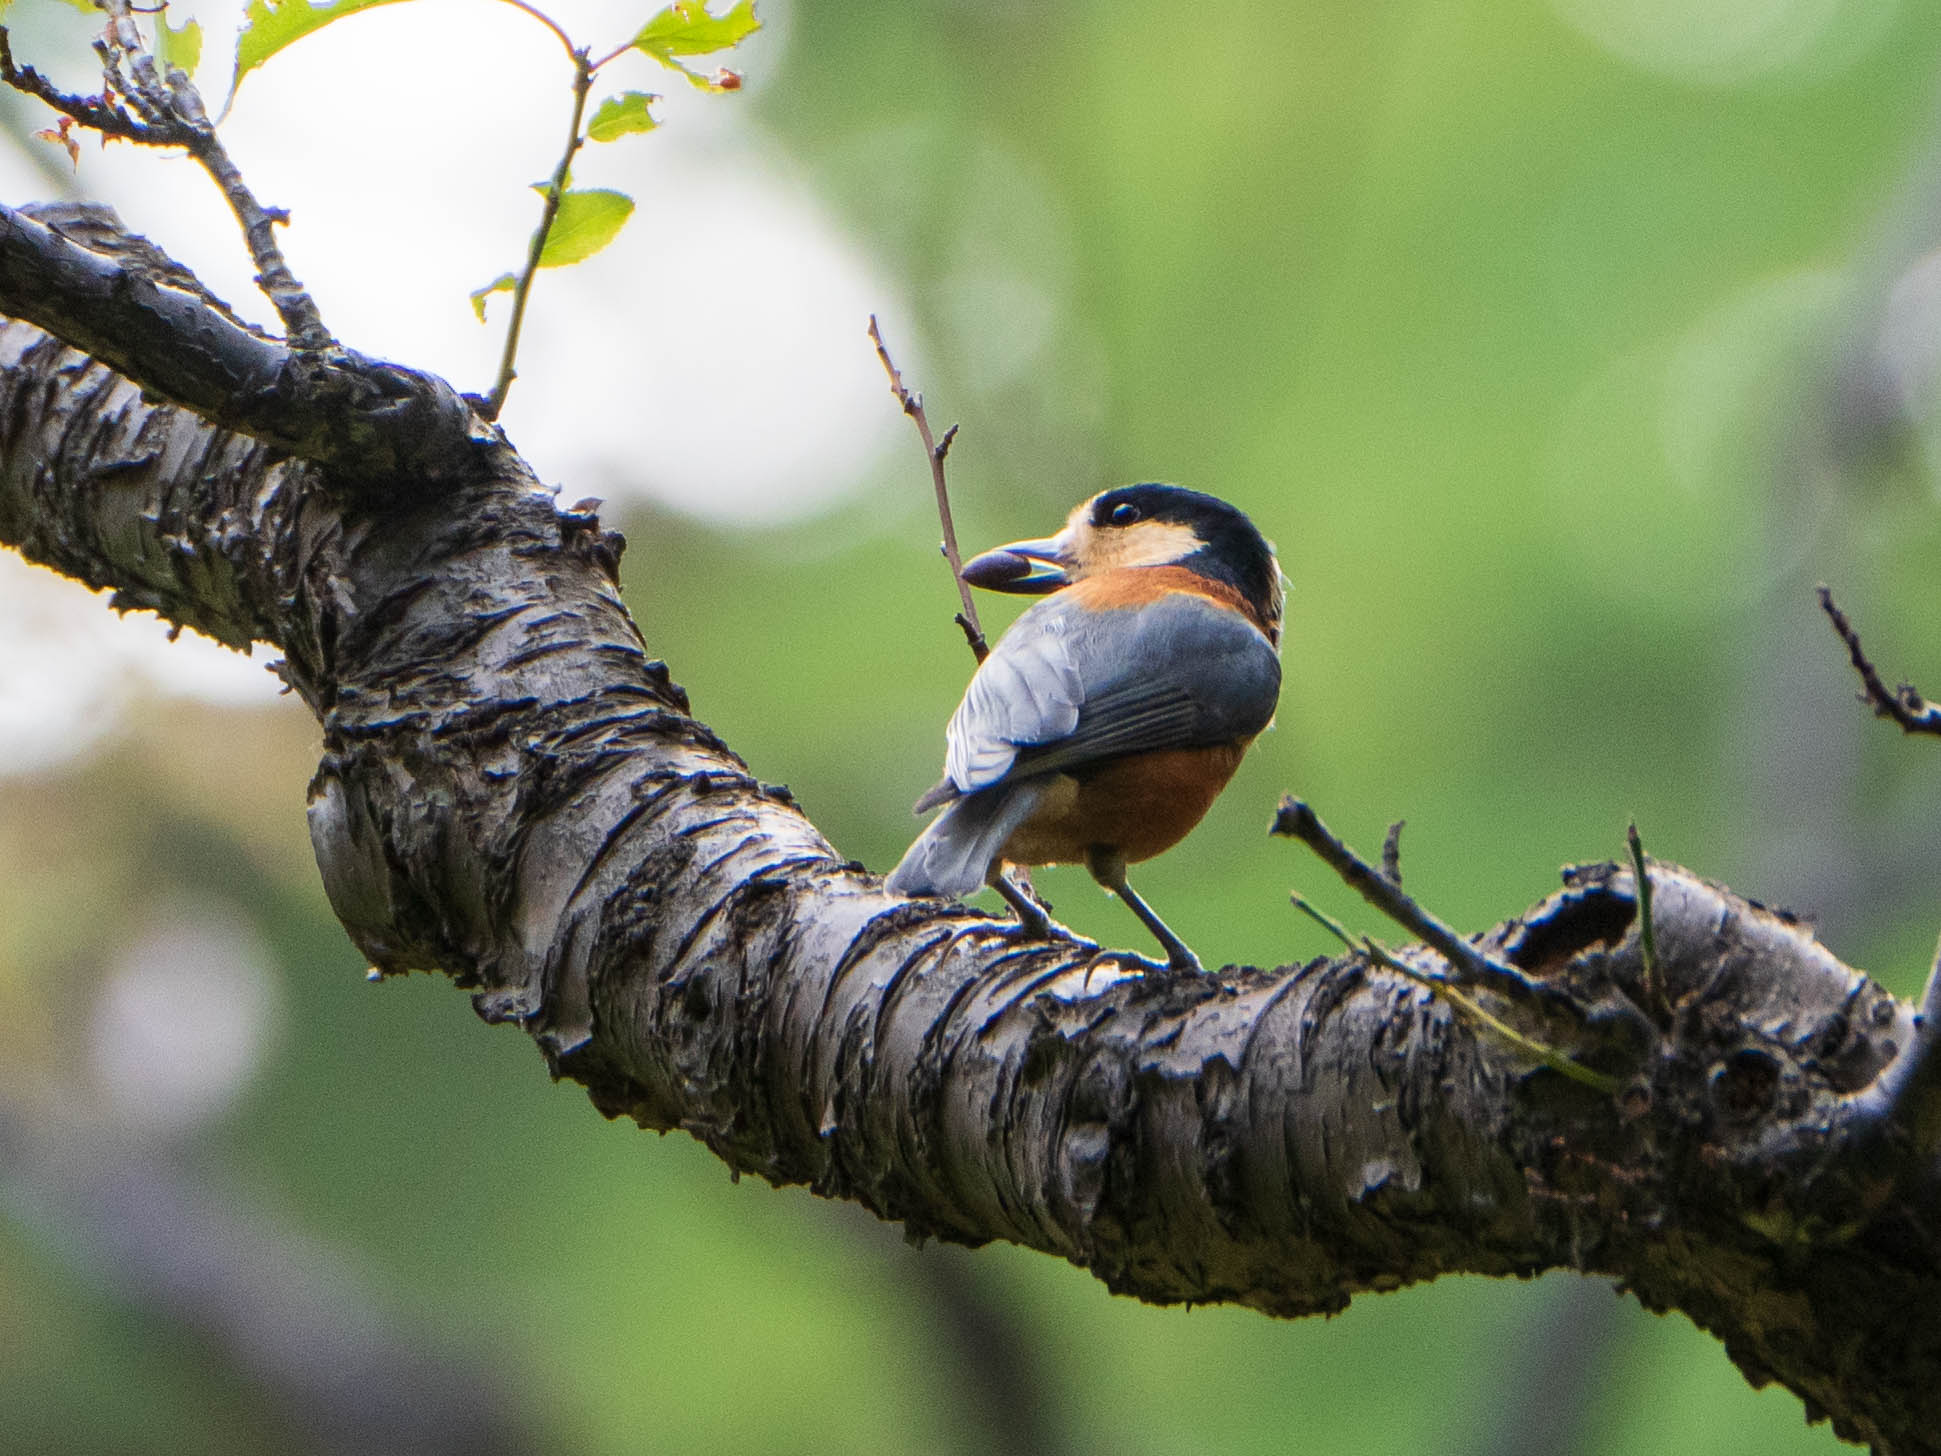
(179, 49)
(623, 114)
(270, 25)
(685, 28)
(504, 283)
(586, 223)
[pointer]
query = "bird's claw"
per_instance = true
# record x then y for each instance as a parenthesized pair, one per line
(1050, 931)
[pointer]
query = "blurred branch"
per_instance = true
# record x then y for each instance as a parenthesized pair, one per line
(514, 794)
(985, 1364)
(275, 1307)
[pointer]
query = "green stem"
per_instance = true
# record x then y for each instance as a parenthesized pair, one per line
(582, 83)
(546, 20)
(1654, 987)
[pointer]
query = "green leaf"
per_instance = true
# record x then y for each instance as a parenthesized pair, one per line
(177, 48)
(504, 283)
(587, 222)
(685, 28)
(620, 115)
(270, 25)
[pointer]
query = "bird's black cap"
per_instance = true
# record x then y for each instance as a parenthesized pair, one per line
(1234, 551)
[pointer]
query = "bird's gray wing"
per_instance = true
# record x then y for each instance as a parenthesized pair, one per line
(1029, 690)
(1072, 686)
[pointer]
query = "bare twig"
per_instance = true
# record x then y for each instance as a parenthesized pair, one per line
(97, 113)
(293, 303)
(1445, 987)
(171, 114)
(936, 450)
(1904, 705)
(1392, 853)
(1296, 820)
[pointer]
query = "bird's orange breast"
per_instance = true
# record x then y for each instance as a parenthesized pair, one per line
(1138, 587)
(1141, 805)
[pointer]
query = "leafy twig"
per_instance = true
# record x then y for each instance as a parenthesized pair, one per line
(1904, 705)
(685, 28)
(1549, 1056)
(177, 102)
(1296, 820)
(170, 114)
(936, 450)
(575, 139)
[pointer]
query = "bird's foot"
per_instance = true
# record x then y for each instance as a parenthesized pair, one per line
(1183, 962)
(1050, 933)
(1033, 923)
(1186, 966)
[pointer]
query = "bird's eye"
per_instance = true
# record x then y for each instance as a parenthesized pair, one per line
(1124, 514)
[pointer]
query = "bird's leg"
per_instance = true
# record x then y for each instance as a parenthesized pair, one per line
(1108, 867)
(1032, 920)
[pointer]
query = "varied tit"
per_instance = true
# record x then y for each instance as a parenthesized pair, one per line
(1109, 717)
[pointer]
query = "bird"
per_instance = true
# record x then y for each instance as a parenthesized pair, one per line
(1111, 714)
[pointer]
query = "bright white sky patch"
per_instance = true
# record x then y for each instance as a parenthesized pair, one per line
(713, 358)
(69, 666)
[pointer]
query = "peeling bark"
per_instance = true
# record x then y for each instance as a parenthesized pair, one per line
(515, 794)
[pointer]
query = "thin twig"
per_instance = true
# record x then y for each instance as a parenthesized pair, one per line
(1904, 705)
(935, 450)
(1655, 993)
(553, 25)
(301, 321)
(172, 115)
(97, 113)
(1392, 853)
(1549, 1056)
(575, 139)
(1296, 820)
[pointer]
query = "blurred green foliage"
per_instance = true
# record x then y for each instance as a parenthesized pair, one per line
(1556, 378)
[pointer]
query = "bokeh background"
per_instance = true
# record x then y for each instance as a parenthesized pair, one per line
(1562, 345)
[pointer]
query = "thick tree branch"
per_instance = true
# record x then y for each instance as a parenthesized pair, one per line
(515, 794)
(70, 270)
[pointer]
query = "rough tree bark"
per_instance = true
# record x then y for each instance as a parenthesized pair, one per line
(515, 794)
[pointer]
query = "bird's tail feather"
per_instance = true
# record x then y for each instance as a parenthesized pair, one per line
(954, 854)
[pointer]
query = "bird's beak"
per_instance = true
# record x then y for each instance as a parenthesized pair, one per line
(1025, 568)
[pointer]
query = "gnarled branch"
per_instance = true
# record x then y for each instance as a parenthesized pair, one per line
(515, 793)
